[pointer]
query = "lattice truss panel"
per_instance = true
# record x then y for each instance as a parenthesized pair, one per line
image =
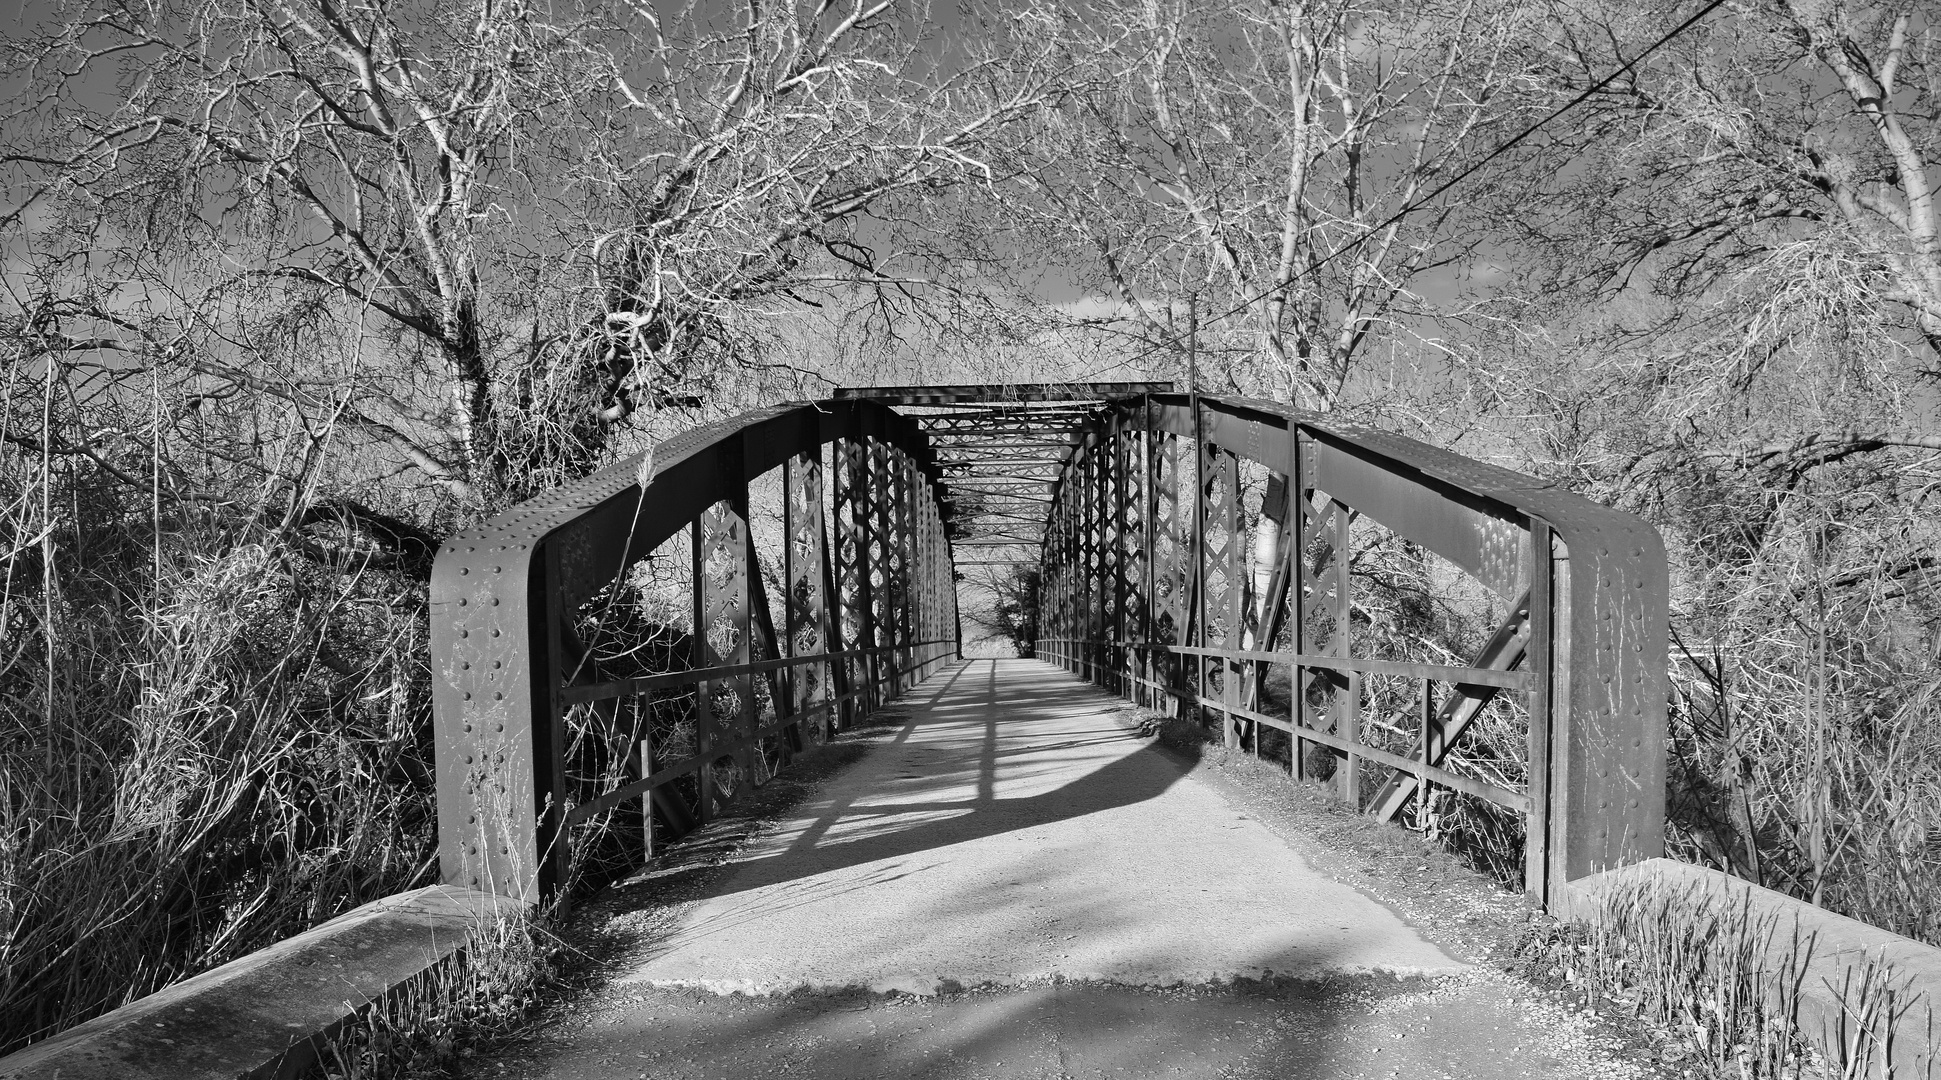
(1200, 573)
(674, 631)
(808, 594)
(1444, 643)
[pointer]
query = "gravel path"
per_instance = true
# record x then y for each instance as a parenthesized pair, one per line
(1013, 834)
(1015, 884)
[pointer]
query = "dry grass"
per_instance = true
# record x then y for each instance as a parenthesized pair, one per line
(209, 741)
(1818, 775)
(1721, 986)
(1701, 971)
(435, 1023)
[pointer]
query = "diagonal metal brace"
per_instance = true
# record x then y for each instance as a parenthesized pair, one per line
(1503, 652)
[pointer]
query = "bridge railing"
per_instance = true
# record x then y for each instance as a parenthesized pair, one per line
(1151, 589)
(560, 706)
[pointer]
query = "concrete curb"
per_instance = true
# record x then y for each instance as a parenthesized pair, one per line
(1842, 948)
(261, 1015)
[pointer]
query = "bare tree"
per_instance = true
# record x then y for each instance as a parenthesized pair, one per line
(1003, 603)
(292, 288)
(1757, 193)
(1730, 262)
(506, 228)
(1234, 173)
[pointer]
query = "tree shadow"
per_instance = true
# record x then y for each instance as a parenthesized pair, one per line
(1277, 1027)
(954, 798)
(942, 780)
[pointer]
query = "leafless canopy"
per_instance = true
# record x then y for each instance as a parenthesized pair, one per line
(478, 235)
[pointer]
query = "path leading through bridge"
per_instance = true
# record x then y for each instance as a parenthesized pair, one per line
(1016, 837)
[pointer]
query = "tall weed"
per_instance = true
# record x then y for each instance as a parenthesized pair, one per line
(209, 740)
(1697, 967)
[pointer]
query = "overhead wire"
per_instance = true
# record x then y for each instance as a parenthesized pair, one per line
(1423, 202)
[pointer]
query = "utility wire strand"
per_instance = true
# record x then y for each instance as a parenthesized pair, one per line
(1421, 203)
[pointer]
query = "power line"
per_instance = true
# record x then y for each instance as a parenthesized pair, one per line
(1418, 204)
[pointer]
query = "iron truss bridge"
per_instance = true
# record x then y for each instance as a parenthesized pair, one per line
(624, 656)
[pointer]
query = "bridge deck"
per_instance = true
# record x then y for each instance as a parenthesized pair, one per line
(1013, 834)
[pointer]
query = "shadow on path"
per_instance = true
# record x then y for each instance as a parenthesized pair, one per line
(931, 779)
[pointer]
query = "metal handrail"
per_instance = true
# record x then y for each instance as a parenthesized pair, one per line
(874, 566)
(640, 684)
(1587, 587)
(1445, 673)
(662, 776)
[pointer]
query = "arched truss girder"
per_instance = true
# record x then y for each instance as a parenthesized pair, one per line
(867, 571)
(1130, 559)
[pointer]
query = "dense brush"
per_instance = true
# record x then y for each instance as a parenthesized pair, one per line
(209, 742)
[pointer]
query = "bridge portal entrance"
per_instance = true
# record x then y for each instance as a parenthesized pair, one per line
(623, 656)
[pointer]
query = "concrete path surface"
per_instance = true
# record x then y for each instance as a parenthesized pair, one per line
(1013, 834)
(1057, 898)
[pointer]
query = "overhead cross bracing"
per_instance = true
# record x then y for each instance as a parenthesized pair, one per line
(1157, 579)
(1000, 449)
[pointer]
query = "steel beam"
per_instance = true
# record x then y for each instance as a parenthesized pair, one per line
(1121, 555)
(999, 392)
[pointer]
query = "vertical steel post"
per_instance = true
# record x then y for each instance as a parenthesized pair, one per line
(1300, 497)
(723, 601)
(1233, 559)
(913, 567)
(1075, 565)
(1060, 569)
(788, 677)
(554, 850)
(1196, 588)
(807, 607)
(1106, 497)
(1084, 554)
(1142, 626)
(1042, 644)
(698, 656)
(919, 578)
(1206, 472)
(836, 671)
(1185, 552)
(1544, 701)
(1055, 583)
(896, 568)
(927, 595)
(1093, 558)
(1425, 791)
(1149, 665)
(882, 577)
(939, 573)
(762, 644)
(912, 550)
(875, 517)
(1123, 486)
(1112, 603)
(1347, 712)
(854, 567)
